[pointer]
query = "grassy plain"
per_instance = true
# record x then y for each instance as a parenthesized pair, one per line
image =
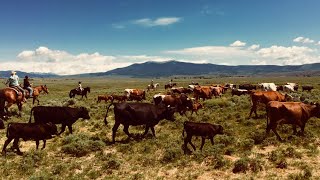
(241, 153)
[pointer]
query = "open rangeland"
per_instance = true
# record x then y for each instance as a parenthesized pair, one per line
(243, 152)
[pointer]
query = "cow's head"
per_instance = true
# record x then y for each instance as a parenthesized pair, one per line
(84, 113)
(169, 113)
(219, 129)
(52, 128)
(317, 110)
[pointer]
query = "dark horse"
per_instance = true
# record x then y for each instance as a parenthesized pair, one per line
(169, 86)
(75, 92)
(10, 96)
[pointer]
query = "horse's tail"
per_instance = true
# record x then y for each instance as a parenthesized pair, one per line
(105, 118)
(31, 115)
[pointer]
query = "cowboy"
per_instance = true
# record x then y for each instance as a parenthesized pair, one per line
(151, 84)
(13, 81)
(27, 85)
(170, 83)
(80, 87)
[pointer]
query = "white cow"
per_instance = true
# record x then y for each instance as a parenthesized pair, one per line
(288, 88)
(127, 92)
(268, 86)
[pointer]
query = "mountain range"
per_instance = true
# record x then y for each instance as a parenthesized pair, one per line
(175, 68)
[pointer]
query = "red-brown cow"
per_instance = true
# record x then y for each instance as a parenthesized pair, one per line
(265, 97)
(105, 98)
(295, 113)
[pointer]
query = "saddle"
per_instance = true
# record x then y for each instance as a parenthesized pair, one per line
(19, 92)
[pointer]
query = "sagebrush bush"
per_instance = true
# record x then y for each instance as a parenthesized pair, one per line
(80, 145)
(241, 165)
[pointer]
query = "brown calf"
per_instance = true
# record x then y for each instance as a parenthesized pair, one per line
(205, 130)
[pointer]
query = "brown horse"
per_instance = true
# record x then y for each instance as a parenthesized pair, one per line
(10, 96)
(36, 92)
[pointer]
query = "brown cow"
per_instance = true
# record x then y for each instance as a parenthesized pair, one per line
(196, 106)
(205, 130)
(264, 97)
(204, 92)
(119, 98)
(181, 90)
(295, 113)
(181, 102)
(217, 91)
(135, 94)
(105, 98)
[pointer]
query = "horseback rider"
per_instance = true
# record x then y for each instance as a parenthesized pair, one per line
(13, 82)
(151, 84)
(27, 86)
(80, 89)
(170, 83)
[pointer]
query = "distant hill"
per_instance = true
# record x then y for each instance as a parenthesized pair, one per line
(176, 68)
(171, 68)
(6, 74)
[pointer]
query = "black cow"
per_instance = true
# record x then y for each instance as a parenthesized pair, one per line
(248, 87)
(138, 114)
(239, 92)
(59, 115)
(205, 130)
(28, 131)
(307, 88)
(1, 124)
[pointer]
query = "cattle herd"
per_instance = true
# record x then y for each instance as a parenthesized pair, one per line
(279, 109)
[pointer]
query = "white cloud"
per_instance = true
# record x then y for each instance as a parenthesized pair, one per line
(280, 55)
(46, 60)
(303, 40)
(254, 47)
(238, 44)
(163, 21)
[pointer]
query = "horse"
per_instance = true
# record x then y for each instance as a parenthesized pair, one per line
(154, 87)
(169, 86)
(11, 96)
(75, 92)
(36, 92)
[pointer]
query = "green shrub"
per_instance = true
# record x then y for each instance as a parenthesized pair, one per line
(80, 145)
(241, 165)
(304, 175)
(246, 144)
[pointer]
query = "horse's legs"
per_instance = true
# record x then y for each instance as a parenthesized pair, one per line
(19, 104)
(6, 107)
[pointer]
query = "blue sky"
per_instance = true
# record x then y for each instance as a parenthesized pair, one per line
(98, 35)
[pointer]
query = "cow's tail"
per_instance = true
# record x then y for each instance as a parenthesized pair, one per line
(105, 118)
(70, 94)
(30, 115)
(183, 129)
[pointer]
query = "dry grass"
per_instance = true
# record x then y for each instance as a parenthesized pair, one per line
(162, 157)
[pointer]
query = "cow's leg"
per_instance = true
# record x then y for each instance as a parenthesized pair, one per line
(16, 146)
(185, 145)
(70, 128)
(302, 129)
(211, 139)
(294, 128)
(20, 108)
(114, 131)
(189, 140)
(202, 142)
(153, 131)
(63, 128)
(146, 130)
(274, 127)
(44, 144)
(5, 145)
(126, 130)
(37, 144)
